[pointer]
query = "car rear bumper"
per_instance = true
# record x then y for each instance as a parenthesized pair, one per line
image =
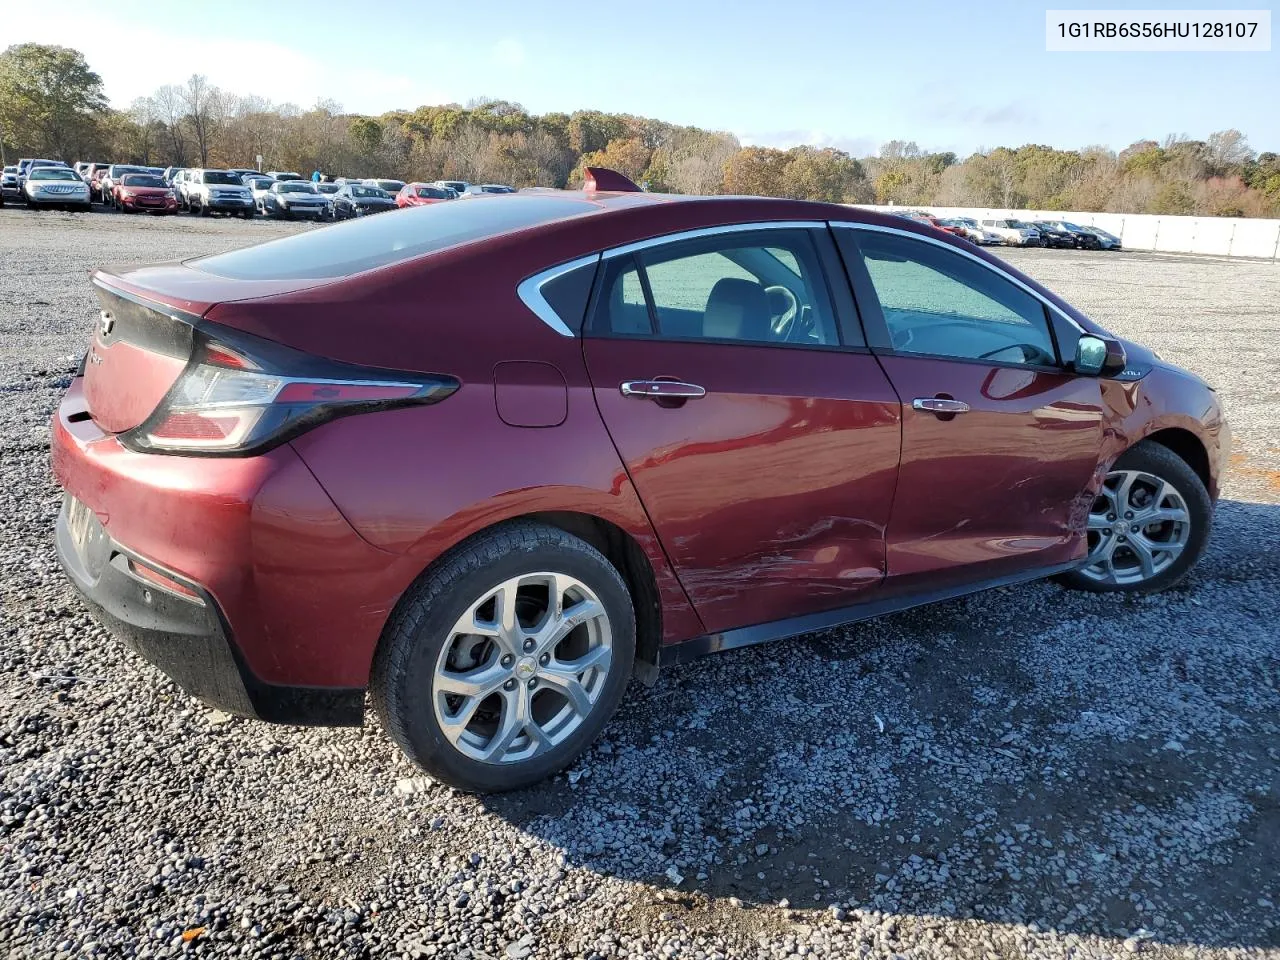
(185, 636)
(294, 599)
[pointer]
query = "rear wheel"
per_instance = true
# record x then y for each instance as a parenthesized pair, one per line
(503, 664)
(1148, 525)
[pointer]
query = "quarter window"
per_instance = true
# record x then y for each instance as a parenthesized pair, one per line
(756, 287)
(939, 303)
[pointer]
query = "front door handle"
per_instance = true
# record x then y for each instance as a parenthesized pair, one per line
(940, 405)
(662, 389)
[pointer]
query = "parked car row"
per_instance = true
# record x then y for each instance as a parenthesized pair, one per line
(1012, 232)
(132, 188)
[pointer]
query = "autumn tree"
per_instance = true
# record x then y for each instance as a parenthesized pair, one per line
(629, 157)
(49, 100)
(824, 174)
(755, 171)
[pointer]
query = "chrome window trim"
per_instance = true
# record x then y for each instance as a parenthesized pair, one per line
(712, 232)
(530, 292)
(853, 225)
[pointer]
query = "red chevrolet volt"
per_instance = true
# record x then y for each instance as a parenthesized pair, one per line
(488, 460)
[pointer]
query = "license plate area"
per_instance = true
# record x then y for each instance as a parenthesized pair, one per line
(79, 520)
(88, 537)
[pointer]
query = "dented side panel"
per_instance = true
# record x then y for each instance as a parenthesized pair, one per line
(1003, 486)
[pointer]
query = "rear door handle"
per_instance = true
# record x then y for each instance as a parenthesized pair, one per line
(940, 405)
(662, 389)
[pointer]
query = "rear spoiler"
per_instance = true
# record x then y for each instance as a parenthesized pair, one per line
(600, 179)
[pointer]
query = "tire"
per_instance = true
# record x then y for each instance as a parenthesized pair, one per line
(247, 214)
(203, 209)
(423, 636)
(1186, 495)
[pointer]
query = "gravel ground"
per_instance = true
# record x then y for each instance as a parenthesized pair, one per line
(1025, 773)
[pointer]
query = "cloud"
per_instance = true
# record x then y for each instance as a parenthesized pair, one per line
(135, 60)
(786, 139)
(948, 109)
(509, 53)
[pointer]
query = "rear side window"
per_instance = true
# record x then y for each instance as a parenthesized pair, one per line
(367, 243)
(568, 294)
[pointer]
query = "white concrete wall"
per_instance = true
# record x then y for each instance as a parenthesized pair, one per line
(1216, 236)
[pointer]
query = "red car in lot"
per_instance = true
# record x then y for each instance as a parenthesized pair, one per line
(422, 194)
(579, 435)
(96, 189)
(138, 192)
(930, 220)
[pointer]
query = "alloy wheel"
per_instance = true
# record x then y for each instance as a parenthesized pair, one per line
(522, 668)
(1138, 526)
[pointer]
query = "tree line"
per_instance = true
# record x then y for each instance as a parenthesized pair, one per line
(52, 105)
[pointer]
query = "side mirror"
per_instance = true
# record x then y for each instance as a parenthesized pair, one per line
(1098, 357)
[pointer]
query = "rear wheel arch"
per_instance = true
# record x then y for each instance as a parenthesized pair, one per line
(622, 551)
(628, 558)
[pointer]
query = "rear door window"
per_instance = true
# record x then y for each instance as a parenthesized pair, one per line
(762, 287)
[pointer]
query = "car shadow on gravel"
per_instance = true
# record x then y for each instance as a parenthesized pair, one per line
(1085, 763)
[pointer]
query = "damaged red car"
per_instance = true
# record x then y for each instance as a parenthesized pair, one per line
(488, 460)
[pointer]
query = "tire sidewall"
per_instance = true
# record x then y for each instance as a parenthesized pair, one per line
(1162, 462)
(410, 690)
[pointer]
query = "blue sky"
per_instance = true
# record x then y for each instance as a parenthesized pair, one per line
(951, 76)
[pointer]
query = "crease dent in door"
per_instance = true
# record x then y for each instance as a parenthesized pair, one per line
(771, 493)
(1007, 483)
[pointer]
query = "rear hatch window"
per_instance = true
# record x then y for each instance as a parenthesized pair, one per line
(364, 244)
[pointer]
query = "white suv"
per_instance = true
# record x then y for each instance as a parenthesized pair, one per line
(217, 191)
(1014, 233)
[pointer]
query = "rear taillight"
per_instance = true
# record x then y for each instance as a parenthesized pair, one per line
(228, 403)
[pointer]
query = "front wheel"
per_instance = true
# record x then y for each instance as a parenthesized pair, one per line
(503, 663)
(1148, 525)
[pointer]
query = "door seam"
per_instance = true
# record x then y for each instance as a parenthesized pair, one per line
(675, 571)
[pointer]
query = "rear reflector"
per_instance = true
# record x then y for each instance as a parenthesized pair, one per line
(162, 580)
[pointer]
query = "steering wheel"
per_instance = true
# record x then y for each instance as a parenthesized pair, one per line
(783, 319)
(1031, 353)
